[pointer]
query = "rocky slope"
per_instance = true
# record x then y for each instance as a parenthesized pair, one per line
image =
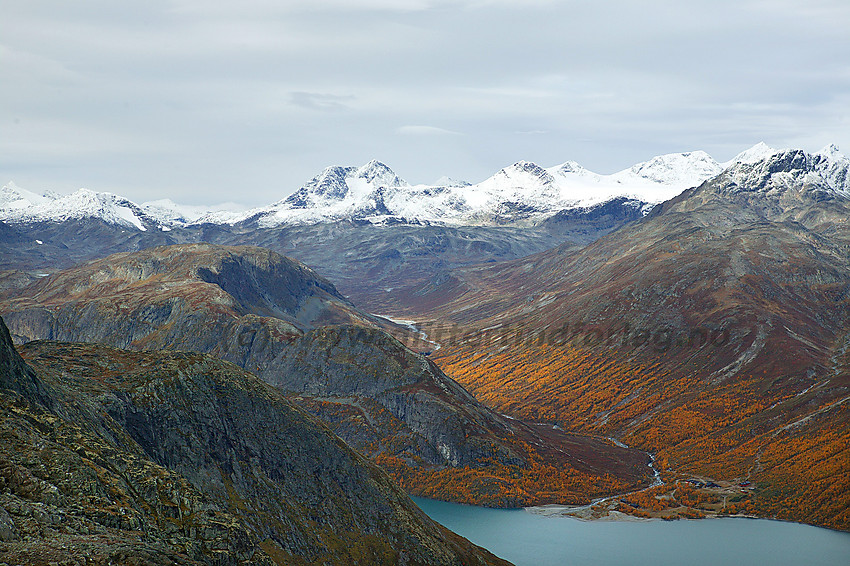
(713, 332)
(278, 319)
(151, 299)
(168, 458)
(400, 409)
(373, 264)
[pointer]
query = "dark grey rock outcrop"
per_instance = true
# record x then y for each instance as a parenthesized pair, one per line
(179, 458)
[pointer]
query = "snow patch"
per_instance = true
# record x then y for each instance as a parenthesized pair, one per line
(127, 215)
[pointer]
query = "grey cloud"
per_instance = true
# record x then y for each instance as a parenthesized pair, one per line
(320, 101)
(206, 100)
(425, 131)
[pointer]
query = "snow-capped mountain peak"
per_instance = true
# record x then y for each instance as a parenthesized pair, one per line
(831, 152)
(14, 197)
(336, 184)
(834, 167)
(690, 168)
(570, 167)
(830, 167)
(521, 173)
(168, 214)
(378, 174)
(445, 181)
(329, 184)
(337, 192)
(791, 172)
(754, 154)
(83, 203)
(109, 207)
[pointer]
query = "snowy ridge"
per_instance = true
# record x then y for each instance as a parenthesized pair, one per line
(826, 171)
(753, 155)
(520, 193)
(834, 167)
(12, 197)
(20, 206)
(677, 169)
(168, 214)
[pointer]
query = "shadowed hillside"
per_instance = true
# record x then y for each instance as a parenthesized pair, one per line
(170, 458)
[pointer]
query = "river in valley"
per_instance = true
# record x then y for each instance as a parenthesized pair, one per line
(533, 539)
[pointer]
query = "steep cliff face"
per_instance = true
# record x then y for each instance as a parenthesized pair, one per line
(363, 368)
(399, 408)
(66, 493)
(159, 458)
(17, 376)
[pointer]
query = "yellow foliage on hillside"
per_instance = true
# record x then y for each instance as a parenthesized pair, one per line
(793, 447)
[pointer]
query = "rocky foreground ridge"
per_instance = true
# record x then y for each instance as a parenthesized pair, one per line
(110, 456)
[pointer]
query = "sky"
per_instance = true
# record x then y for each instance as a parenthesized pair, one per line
(207, 101)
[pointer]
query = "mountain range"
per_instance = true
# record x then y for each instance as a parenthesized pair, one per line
(521, 192)
(372, 251)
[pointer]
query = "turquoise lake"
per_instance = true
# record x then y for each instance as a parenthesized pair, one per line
(528, 539)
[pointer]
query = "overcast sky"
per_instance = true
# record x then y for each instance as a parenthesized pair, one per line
(206, 101)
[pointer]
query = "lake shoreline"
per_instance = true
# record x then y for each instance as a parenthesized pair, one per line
(556, 511)
(531, 538)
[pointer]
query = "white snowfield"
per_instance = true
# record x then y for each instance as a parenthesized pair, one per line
(523, 191)
(170, 214)
(20, 206)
